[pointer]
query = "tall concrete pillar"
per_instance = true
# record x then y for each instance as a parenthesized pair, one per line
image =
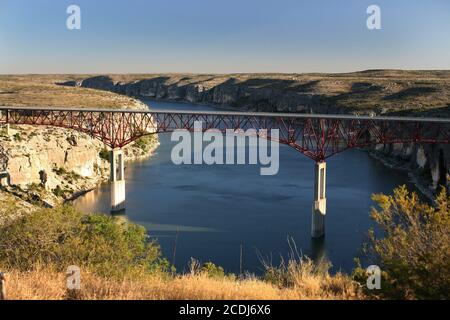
(117, 180)
(320, 201)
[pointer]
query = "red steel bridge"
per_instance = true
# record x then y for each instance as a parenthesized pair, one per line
(316, 136)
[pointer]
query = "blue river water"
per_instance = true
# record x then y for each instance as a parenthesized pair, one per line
(211, 212)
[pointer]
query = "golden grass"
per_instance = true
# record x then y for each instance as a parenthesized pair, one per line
(42, 90)
(376, 90)
(46, 284)
(393, 90)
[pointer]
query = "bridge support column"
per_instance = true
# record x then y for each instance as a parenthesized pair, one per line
(117, 180)
(320, 201)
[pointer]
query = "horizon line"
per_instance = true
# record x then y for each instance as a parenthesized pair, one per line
(226, 73)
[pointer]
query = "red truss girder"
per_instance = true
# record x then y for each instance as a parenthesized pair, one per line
(316, 136)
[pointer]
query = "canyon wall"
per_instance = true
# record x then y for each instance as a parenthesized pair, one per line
(52, 164)
(49, 165)
(428, 163)
(227, 93)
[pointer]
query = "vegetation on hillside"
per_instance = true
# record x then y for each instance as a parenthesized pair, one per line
(63, 236)
(393, 91)
(146, 143)
(118, 261)
(380, 91)
(411, 246)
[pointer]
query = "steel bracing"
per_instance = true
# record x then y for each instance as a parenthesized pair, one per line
(316, 136)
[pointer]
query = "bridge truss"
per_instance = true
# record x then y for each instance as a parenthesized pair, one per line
(316, 136)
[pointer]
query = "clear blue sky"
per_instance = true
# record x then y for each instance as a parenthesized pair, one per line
(210, 36)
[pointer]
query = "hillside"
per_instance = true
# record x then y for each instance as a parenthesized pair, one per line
(41, 90)
(71, 160)
(373, 91)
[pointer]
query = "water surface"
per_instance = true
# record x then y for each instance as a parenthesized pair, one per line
(209, 212)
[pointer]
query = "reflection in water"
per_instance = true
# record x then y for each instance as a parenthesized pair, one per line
(211, 212)
(120, 216)
(318, 250)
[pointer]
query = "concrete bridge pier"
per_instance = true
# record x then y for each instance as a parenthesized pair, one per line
(320, 201)
(117, 173)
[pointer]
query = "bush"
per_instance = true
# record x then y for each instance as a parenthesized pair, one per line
(145, 143)
(295, 271)
(212, 270)
(58, 191)
(413, 249)
(104, 154)
(17, 137)
(63, 236)
(60, 171)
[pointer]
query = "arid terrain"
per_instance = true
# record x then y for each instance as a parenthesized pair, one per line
(378, 91)
(74, 163)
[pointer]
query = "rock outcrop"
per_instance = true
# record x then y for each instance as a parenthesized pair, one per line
(229, 93)
(319, 94)
(54, 164)
(427, 165)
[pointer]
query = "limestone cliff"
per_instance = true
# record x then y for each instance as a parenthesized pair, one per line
(369, 92)
(53, 164)
(427, 165)
(47, 165)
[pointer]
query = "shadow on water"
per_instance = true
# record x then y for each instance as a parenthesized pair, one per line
(226, 212)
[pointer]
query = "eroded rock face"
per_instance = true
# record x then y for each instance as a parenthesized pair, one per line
(55, 151)
(56, 163)
(431, 162)
(227, 93)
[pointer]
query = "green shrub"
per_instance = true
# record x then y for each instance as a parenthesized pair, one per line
(35, 187)
(104, 154)
(17, 137)
(60, 171)
(212, 270)
(69, 175)
(58, 191)
(412, 247)
(63, 236)
(145, 143)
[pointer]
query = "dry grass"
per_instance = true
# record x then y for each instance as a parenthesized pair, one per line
(42, 90)
(50, 285)
(391, 90)
(387, 91)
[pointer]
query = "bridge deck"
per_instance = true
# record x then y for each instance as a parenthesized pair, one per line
(238, 113)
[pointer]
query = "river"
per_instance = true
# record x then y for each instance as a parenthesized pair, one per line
(211, 212)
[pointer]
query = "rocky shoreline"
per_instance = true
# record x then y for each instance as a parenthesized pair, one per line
(402, 166)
